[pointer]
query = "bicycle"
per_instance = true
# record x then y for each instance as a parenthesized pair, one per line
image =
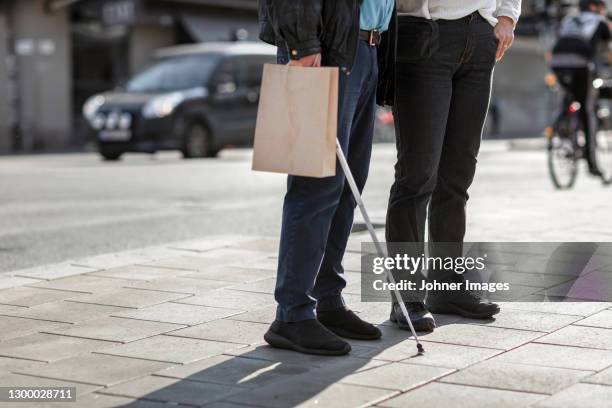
(567, 141)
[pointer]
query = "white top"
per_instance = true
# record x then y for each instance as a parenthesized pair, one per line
(456, 9)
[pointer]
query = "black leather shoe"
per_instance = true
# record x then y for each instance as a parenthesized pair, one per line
(463, 303)
(421, 318)
(307, 336)
(347, 324)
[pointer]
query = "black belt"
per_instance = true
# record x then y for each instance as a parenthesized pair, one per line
(371, 37)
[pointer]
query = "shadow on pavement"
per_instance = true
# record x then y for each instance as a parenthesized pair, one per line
(268, 377)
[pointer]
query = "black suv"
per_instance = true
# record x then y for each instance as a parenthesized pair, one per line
(192, 98)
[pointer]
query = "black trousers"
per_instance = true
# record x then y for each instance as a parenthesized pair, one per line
(578, 82)
(442, 98)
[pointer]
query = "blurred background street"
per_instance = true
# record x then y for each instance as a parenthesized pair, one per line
(56, 54)
(59, 207)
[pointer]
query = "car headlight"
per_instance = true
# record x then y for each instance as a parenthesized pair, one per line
(162, 106)
(91, 107)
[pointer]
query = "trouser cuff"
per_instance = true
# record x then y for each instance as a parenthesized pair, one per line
(330, 303)
(295, 315)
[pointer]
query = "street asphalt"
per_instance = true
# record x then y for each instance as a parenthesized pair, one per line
(65, 206)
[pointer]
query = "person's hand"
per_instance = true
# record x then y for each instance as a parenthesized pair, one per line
(308, 61)
(504, 32)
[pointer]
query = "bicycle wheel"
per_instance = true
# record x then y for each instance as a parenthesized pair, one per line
(562, 153)
(603, 154)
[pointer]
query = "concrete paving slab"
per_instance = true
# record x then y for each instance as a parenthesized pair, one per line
(300, 393)
(269, 263)
(97, 369)
(461, 396)
(8, 365)
(437, 354)
(230, 299)
(603, 377)
(182, 285)
(13, 281)
(235, 371)
(172, 390)
(352, 263)
(232, 253)
(114, 329)
(50, 347)
(569, 308)
(344, 368)
(395, 376)
(481, 336)
(352, 362)
(85, 284)
(178, 350)
(265, 244)
(224, 404)
(551, 355)
(66, 312)
(178, 313)
(28, 297)
(11, 327)
(265, 314)
(517, 377)
(187, 262)
(580, 396)
(259, 286)
(9, 310)
(231, 274)
(54, 271)
(225, 330)
(129, 298)
(137, 272)
(602, 319)
(580, 336)
(526, 320)
(95, 400)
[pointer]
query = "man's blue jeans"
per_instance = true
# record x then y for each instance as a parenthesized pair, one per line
(318, 212)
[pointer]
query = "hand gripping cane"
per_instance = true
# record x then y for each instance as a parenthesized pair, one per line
(379, 248)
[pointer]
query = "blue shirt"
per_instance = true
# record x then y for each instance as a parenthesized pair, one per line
(376, 14)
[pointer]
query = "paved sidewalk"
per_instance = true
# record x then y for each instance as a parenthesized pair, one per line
(183, 324)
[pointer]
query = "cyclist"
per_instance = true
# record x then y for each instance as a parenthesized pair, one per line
(582, 38)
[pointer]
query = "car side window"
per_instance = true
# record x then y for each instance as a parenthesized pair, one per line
(254, 71)
(244, 72)
(228, 76)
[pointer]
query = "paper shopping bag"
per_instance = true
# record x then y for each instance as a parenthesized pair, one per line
(297, 121)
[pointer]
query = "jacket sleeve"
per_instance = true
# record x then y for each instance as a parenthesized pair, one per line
(509, 8)
(298, 23)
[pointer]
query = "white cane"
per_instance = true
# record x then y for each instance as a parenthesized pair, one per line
(379, 248)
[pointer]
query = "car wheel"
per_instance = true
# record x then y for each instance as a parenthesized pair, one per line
(110, 155)
(197, 142)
